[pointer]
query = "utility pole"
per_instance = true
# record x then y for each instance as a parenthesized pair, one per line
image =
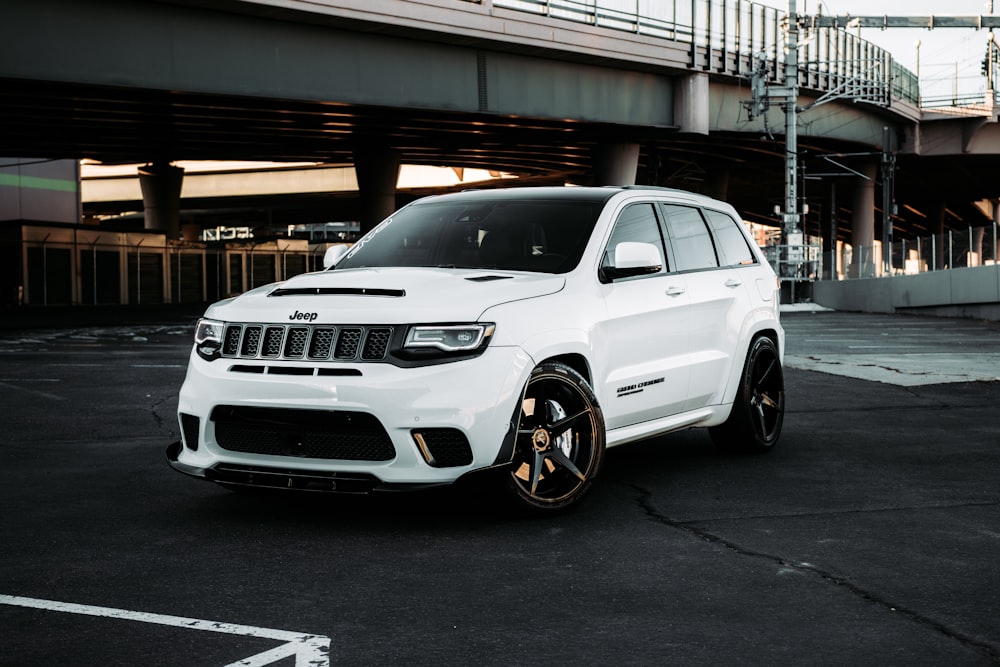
(856, 89)
(788, 95)
(791, 212)
(888, 179)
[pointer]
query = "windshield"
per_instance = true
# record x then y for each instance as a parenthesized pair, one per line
(536, 235)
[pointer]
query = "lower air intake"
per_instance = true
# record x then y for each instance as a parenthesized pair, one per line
(314, 434)
(444, 447)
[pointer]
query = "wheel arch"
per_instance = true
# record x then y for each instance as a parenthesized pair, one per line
(766, 328)
(576, 361)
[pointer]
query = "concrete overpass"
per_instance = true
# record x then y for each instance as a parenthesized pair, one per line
(524, 87)
(550, 90)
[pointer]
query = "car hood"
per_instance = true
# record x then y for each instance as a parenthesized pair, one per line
(384, 296)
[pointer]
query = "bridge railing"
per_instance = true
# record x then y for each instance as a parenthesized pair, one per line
(725, 34)
(971, 101)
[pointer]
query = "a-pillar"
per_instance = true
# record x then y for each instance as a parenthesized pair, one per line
(377, 171)
(863, 256)
(161, 197)
(616, 164)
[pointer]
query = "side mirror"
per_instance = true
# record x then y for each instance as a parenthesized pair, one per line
(333, 255)
(633, 259)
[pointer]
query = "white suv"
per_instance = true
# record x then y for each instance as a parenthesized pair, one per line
(521, 330)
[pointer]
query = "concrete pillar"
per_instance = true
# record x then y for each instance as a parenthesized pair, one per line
(976, 251)
(940, 259)
(616, 164)
(995, 237)
(161, 197)
(377, 170)
(692, 104)
(717, 181)
(863, 258)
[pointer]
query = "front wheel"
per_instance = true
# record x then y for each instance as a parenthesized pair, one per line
(559, 445)
(759, 409)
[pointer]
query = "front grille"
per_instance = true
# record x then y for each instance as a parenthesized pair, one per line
(318, 342)
(316, 434)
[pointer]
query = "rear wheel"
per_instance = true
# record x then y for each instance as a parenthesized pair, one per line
(759, 409)
(559, 446)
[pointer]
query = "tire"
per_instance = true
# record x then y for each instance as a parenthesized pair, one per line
(754, 424)
(558, 450)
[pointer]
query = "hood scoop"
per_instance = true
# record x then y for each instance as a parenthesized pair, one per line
(486, 279)
(337, 291)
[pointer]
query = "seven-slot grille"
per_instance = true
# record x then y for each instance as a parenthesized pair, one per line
(320, 342)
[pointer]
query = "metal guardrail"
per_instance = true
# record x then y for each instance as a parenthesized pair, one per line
(957, 101)
(952, 249)
(724, 36)
(796, 263)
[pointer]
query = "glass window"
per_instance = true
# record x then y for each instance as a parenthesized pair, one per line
(636, 223)
(732, 243)
(519, 235)
(689, 239)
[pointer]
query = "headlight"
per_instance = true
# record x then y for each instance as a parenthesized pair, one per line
(450, 337)
(208, 339)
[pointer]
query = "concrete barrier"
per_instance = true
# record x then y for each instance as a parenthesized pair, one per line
(965, 292)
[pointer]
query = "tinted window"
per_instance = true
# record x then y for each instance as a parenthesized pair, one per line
(636, 223)
(530, 235)
(732, 243)
(689, 238)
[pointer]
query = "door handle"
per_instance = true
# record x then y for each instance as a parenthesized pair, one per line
(733, 282)
(675, 291)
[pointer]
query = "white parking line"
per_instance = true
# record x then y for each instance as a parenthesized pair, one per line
(309, 650)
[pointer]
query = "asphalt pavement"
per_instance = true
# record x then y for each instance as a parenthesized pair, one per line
(869, 536)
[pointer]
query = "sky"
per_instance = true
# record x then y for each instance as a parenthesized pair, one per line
(941, 49)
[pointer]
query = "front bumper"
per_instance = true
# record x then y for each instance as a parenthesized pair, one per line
(477, 397)
(264, 477)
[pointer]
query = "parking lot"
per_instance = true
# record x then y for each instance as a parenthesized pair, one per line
(869, 536)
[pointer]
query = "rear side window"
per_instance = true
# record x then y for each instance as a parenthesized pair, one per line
(689, 239)
(733, 246)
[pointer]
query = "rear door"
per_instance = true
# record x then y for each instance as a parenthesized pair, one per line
(718, 293)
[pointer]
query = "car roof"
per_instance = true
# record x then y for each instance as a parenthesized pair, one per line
(550, 193)
(560, 193)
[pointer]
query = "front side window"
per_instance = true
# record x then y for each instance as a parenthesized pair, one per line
(532, 235)
(732, 243)
(636, 223)
(689, 239)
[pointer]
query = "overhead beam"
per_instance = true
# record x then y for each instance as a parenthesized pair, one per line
(883, 22)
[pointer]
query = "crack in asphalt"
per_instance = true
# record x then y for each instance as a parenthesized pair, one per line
(159, 420)
(939, 404)
(644, 501)
(871, 510)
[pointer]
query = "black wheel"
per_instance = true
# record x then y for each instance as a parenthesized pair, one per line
(759, 409)
(559, 446)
